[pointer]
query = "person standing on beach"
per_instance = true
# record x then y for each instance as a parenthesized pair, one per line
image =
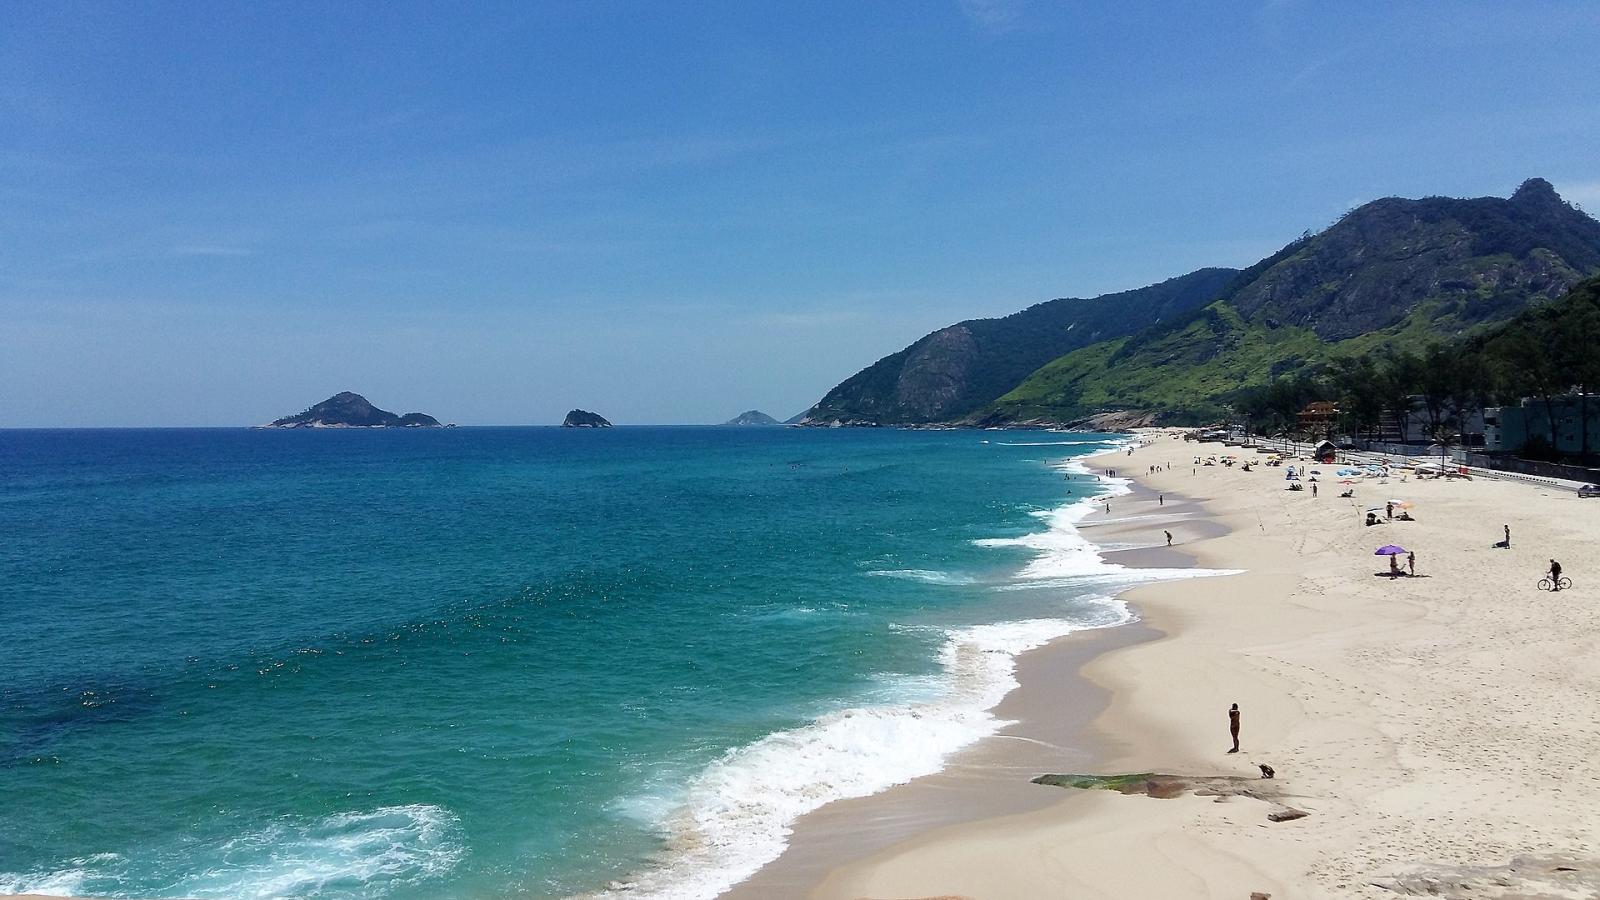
(1411, 564)
(1233, 726)
(1169, 537)
(1388, 510)
(1161, 499)
(1508, 537)
(1313, 489)
(1555, 576)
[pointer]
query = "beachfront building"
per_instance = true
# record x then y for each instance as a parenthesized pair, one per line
(1319, 418)
(1507, 429)
(1416, 426)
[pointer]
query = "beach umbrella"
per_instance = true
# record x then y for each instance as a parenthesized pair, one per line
(1389, 550)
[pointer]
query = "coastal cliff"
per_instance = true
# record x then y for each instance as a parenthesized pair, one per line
(348, 409)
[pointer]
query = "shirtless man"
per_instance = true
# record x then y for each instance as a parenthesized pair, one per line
(1233, 726)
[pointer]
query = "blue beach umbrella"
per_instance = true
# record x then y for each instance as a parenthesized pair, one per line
(1389, 550)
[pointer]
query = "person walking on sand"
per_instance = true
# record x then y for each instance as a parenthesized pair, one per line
(1233, 726)
(1411, 564)
(1169, 537)
(1313, 490)
(1555, 576)
(1508, 537)
(1161, 499)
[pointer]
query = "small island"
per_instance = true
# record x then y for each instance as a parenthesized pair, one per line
(582, 418)
(752, 417)
(348, 409)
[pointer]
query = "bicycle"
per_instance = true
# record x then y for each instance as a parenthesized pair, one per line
(1545, 585)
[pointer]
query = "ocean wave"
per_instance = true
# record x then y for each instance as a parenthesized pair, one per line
(737, 813)
(353, 854)
(926, 576)
(1047, 443)
(735, 816)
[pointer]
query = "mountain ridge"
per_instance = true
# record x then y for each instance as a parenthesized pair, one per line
(1393, 271)
(956, 370)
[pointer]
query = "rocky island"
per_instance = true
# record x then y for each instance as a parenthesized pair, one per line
(582, 418)
(752, 417)
(348, 409)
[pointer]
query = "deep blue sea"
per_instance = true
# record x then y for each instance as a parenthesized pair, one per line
(501, 662)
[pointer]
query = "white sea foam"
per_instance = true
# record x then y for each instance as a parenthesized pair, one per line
(68, 880)
(926, 576)
(291, 858)
(1046, 443)
(738, 812)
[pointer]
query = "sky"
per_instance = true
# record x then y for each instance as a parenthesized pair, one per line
(216, 214)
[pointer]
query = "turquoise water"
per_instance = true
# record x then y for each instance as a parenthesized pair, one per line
(478, 662)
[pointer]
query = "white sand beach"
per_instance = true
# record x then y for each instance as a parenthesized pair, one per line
(1436, 729)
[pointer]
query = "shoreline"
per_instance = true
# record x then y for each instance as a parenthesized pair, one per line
(1051, 711)
(1438, 730)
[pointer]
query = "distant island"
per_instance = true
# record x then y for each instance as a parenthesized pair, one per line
(348, 409)
(582, 418)
(752, 417)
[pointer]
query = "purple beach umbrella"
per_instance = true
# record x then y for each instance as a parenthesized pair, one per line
(1389, 550)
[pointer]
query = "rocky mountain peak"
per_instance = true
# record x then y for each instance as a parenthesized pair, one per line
(1536, 191)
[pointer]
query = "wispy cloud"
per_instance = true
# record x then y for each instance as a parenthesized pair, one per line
(994, 16)
(215, 250)
(1583, 193)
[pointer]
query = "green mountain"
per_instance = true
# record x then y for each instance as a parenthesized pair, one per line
(958, 370)
(1393, 272)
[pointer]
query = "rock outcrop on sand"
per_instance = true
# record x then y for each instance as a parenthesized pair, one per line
(582, 418)
(348, 409)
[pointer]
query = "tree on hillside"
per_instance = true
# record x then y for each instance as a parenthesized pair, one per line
(1576, 335)
(1527, 367)
(1398, 374)
(1355, 381)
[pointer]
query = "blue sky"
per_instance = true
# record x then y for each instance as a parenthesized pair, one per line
(216, 214)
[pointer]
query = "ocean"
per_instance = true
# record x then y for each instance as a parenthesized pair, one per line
(503, 662)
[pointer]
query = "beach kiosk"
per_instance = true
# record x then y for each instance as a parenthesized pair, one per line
(1325, 452)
